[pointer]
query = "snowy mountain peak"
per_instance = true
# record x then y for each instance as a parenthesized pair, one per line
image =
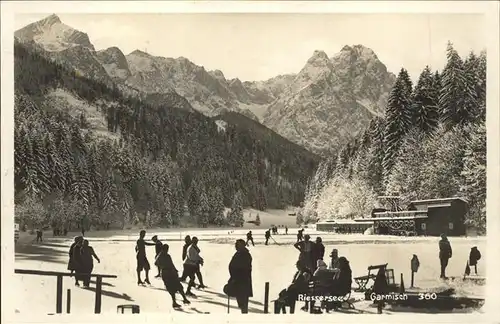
(318, 57)
(139, 53)
(53, 35)
(357, 52)
(218, 74)
(50, 20)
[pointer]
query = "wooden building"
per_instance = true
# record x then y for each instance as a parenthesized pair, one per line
(344, 226)
(430, 217)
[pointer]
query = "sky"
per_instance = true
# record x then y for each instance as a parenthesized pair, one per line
(259, 46)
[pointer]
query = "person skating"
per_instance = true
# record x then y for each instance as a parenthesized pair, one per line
(306, 247)
(87, 264)
(142, 260)
(267, 236)
(474, 256)
(300, 235)
(187, 243)
(39, 235)
(73, 259)
(445, 253)
(249, 238)
(286, 230)
(198, 270)
(240, 272)
(169, 275)
(191, 263)
(158, 245)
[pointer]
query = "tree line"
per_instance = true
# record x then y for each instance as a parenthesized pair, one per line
(164, 167)
(431, 143)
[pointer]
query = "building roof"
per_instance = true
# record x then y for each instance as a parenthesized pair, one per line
(437, 201)
(400, 218)
(403, 212)
(346, 221)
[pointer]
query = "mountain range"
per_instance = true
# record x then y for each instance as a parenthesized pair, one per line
(328, 102)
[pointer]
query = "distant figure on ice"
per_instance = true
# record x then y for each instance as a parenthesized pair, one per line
(474, 256)
(192, 264)
(74, 257)
(187, 243)
(240, 272)
(142, 260)
(318, 251)
(300, 235)
(267, 235)
(249, 238)
(286, 230)
(334, 260)
(158, 247)
(445, 254)
(306, 247)
(170, 276)
(39, 234)
(87, 264)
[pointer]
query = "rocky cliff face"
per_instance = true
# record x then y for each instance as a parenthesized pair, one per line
(331, 99)
(323, 106)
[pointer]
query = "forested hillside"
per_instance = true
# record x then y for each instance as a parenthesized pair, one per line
(152, 164)
(430, 144)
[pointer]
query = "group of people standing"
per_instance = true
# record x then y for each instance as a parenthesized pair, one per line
(192, 262)
(81, 260)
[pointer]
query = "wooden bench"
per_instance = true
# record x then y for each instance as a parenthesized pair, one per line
(364, 280)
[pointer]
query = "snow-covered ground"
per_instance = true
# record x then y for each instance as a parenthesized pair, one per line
(273, 263)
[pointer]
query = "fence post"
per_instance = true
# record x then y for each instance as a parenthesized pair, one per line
(68, 301)
(59, 292)
(266, 298)
(98, 295)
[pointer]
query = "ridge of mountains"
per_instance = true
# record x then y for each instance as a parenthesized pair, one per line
(323, 106)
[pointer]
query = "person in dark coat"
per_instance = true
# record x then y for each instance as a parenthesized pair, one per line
(187, 243)
(249, 238)
(158, 246)
(267, 235)
(342, 282)
(240, 272)
(380, 288)
(299, 285)
(286, 230)
(87, 264)
(306, 248)
(300, 235)
(474, 256)
(445, 254)
(318, 252)
(170, 276)
(73, 250)
(142, 260)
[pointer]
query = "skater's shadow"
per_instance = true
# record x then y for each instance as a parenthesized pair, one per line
(104, 283)
(225, 297)
(208, 300)
(43, 252)
(112, 294)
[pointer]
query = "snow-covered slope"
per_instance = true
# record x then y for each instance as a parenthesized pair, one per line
(331, 99)
(323, 106)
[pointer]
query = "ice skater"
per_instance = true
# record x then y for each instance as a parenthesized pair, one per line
(267, 236)
(306, 248)
(142, 260)
(158, 245)
(249, 238)
(445, 253)
(187, 243)
(169, 275)
(474, 256)
(286, 230)
(300, 235)
(39, 235)
(87, 264)
(192, 262)
(73, 258)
